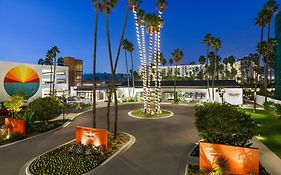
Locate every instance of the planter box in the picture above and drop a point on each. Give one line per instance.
(18, 126)
(92, 136)
(240, 160)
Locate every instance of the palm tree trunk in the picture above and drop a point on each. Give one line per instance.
(128, 79)
(256, 73)
(113, 75)
(149, 73)
(159, 76)
(133, 75)
(266, 64)
(51, 77)
(94, 71)
(175, 84)
(54, 76)
(144, 78)
(207, 73)
(108, 106)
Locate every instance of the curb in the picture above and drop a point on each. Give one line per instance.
(25, 168)
(32, 137)
(188, 157)
(150, 118)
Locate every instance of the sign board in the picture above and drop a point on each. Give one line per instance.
(17, 126)
(240, 160)
(92, 136)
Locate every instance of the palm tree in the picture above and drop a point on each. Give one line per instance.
(126, 48)
(54, 51)
(49, 61)
(98, 7)
(217, 45)
(272, 43)
(108, 6)
(177, 57)
(171, 62)
(208, 40)
(163, 60)
(131, 49)
(271, 8)
(202, 61)
(60, 61)
(261, 22)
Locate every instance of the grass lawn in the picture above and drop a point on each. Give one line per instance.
(269, 129)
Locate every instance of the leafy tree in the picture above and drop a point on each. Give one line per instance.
(60, 61)
(41, 61)
(14, 104)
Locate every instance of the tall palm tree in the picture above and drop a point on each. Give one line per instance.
(163, 60)
(217, 45)
(131, 49)
(177, 57)
(108, 6)
(98, 8)
(202, 61)
(271, 44)
(208, 40)
(49, 61)
(271, 8)
(126, 46)
(260, 22)
(55, 51)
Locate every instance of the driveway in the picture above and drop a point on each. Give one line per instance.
(161, 146)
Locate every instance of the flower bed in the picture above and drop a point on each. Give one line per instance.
(138, 113)
(76, 159)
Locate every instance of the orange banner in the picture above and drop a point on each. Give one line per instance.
(239, 159)
(17, 126)
(92, 136)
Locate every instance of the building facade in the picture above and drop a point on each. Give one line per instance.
(75, 71)
(277, 64)
(184, 71)
(30, 80)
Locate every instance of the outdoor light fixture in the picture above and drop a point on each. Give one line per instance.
(221, 92)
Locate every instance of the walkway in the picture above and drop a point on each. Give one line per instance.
(161, 145)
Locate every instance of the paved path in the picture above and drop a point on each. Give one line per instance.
(161, 145)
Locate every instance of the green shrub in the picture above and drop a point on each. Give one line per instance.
(269, 106)
(224, 124)
(29, 118)
(278, 108)
(46, 108)
(14, 103)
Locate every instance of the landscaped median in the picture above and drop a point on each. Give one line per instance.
(138, 113)
(73, 158)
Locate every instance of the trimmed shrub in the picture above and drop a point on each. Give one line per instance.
(269, 106)
(46, 108)
(224, 124)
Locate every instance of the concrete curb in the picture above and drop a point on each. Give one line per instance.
(150, 118)
(188, 157)
(25, 169)
(38, 135)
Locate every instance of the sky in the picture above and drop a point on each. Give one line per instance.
(28, 28)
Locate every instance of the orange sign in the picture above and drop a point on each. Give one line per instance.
(17, 126)
(92, 136)
(240, 160)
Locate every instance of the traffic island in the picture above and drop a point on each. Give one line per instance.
(138, 113)
(72, 158)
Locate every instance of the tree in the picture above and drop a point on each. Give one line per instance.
(208, 40)
(60, 61)
(271, 8)
(260, 22)
(163, 60)
(49, 61)
(171, 62)
(217, 45)
(126, 45)
(14, 104)
(54, 52)
(177, 56)
(202, 61)
(41, 61)
(131, 49)
(98, 8)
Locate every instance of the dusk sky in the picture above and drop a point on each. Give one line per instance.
(29, 28)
